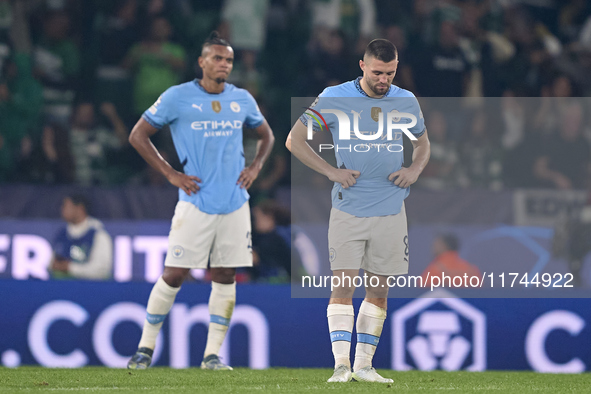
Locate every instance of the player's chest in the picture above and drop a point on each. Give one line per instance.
(352, 118)
(212, 119)
(206, 109)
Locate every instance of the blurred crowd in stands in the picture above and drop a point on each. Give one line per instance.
(76, 75)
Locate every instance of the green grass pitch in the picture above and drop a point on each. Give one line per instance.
(281, 380)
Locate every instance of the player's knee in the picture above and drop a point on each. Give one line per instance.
(223, 275)
(174, 277)
(342, 292)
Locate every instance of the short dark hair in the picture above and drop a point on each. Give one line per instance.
(214, 38)
(79, 199)
(451, 241)
(382, 50)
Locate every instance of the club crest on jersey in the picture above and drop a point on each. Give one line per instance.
(216, 106)
(375, 113)
(234, 106)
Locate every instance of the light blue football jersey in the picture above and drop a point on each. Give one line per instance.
(375, 159)
(206, 130)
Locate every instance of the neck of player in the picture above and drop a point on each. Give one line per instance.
(368, 91)
(211, 85)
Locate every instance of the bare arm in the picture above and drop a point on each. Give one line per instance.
(109, 110)
(297, 144)
(420, 157)
(543, 172)
(264, 146)
(140, 140)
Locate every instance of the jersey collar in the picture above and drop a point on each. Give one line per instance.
(360, 89)
(196, 81)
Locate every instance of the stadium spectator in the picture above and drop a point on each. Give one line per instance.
(565, 159)
(157, 63)
(514, 119)
(114, 34)
(355, 18)
(244, 23)
(441, 171)
(448, 261)
(531, 66)
(20, 106)
(518, 162)
(91, 143)
(547, 117)
(480, 155)
(83, 249)
(442, 70)
(57, 65)
(327, 59)
(572, 19)
(246, 74)
(49, 160)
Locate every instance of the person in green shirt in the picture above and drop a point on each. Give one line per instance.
(157, 64)
(56, 63)
(20, 107)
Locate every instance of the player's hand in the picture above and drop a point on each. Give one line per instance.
(186, 182)
(404, 177)
(345, 177)
(247, 176)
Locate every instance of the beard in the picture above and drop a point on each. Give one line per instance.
(377, 90)
(220, 80)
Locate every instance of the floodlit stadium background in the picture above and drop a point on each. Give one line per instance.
(76, 75)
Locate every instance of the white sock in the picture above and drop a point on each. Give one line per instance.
(221, 306)
(340, 325)
(370, 322)
(159, 304)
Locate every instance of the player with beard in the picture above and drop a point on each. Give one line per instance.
(212, 218)
(367, 227)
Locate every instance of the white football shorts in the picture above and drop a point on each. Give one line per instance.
(376, 244)
(197, 237)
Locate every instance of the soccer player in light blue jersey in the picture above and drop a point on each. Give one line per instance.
(212, 218)
(367, 228)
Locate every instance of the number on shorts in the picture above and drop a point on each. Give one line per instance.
(405, 240)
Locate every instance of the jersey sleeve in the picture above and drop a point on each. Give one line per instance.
(163, 111)
(312, 112)
(418, 129)
(254, 117)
